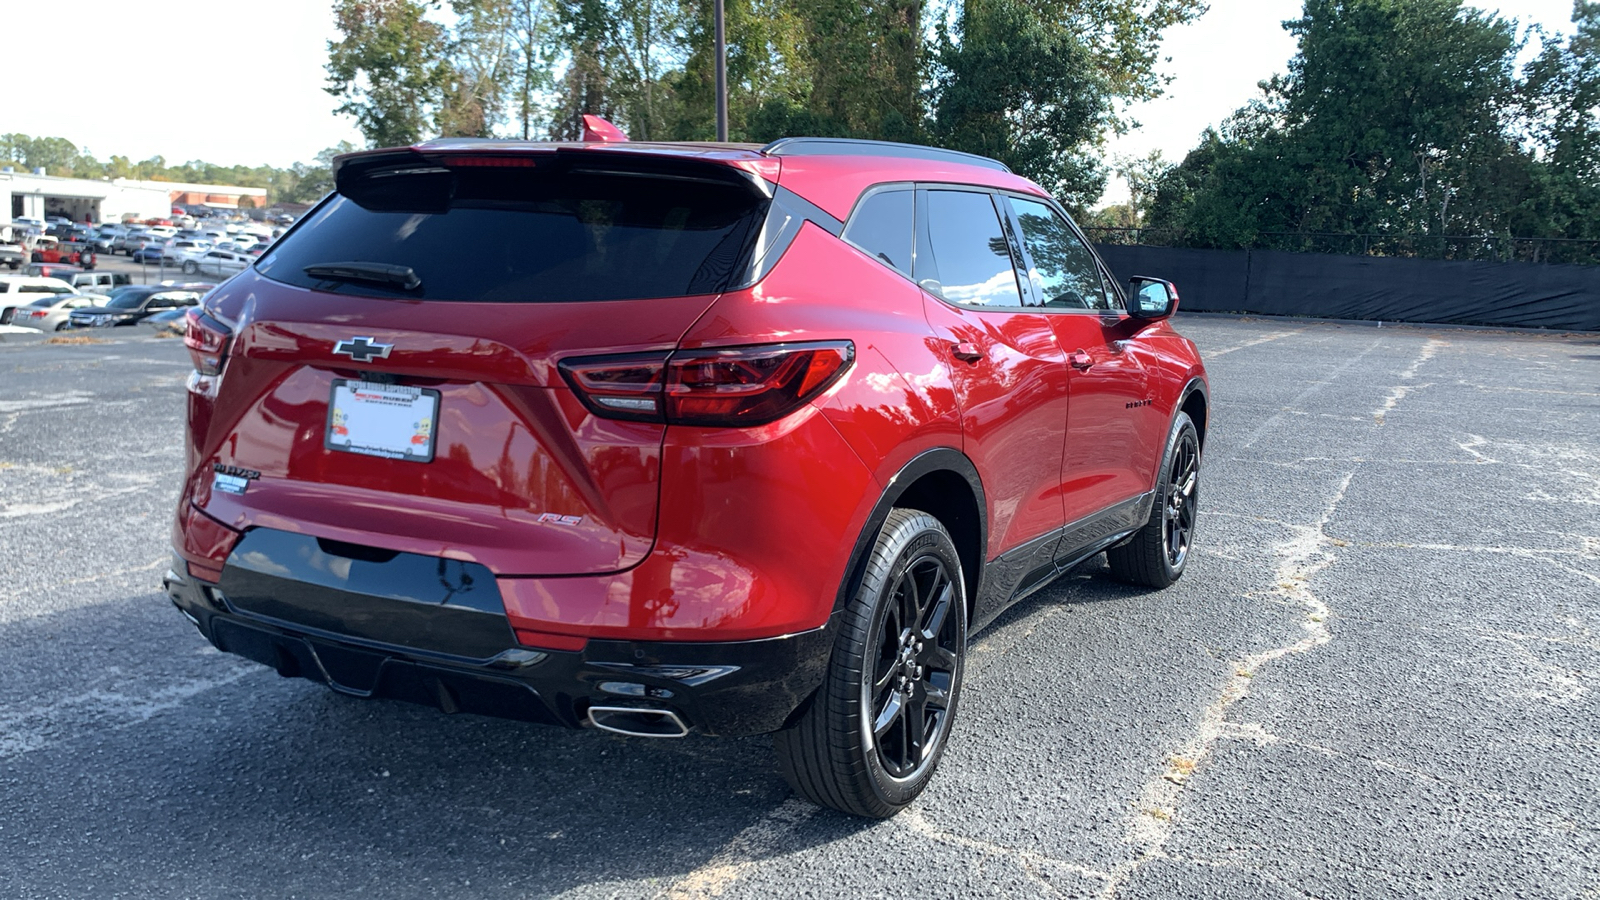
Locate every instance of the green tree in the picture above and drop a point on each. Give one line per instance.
(390, 69)
(1394, 117)
(1017, 89)
(1561, 111)
(620, 55)
(865, 67)
(766, 69)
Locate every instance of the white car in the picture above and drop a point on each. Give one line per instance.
(21, 290)
(184, 250)
(167, 232)
(50, 313)
(219, 263)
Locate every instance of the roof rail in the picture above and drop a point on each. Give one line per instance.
(818, 146)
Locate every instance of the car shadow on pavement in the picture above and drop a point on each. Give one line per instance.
(280, 786)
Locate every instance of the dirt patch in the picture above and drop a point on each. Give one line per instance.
(77, 339)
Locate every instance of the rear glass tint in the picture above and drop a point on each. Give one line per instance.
(518, 235)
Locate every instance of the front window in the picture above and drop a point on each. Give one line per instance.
(1064, 270)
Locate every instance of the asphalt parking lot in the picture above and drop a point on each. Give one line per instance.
(1378, 678)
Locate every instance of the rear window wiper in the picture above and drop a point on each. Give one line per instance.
(384, 274)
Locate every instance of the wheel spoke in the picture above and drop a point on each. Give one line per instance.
(916, 729)
(938, 697)
(937, 614)
(912, 610)
(891, 711)
(939, 659)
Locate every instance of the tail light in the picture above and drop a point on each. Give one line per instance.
(207, 340)
(733, 387)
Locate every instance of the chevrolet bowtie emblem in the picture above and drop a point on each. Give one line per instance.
(362, 349)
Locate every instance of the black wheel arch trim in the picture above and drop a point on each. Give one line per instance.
(1195, 385)
(937, 459)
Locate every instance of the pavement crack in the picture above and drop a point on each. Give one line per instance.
(743, 852)
(1406, 386)
(1301, 558)
(26, 730)
(1294, 405)
(1028, 861)
(1276, 335)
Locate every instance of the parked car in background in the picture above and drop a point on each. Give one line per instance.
(63, 271)
(167, 232)
(30, 224)
(21, 290)
(97, 282)
(219, 263)
(129, 305)
(168, 322)
(104, 240)
(50, 313)
(151, 253)
(181, 250)
(12, 256)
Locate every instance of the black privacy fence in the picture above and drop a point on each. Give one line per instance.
(1484, 248)
(1462, 291)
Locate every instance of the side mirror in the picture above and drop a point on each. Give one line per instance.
(1151, 298)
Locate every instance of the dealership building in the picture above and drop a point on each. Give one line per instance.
(36, 195)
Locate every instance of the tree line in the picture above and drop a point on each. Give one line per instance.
(1404, 121)
(1394, 117)
(299, 183)
(1037, 84)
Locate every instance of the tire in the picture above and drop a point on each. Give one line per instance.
(189, 267)
(1158, 553)
(853, 748)
(61, 326)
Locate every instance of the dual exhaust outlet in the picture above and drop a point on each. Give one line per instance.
(637, 721)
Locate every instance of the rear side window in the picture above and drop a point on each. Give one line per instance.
(546, 234)
(968, 251)
(883, 227)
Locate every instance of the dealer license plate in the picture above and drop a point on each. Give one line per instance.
(388, 420)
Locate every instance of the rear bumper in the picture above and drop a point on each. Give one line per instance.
(732, 688)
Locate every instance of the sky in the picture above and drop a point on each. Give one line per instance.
(242, 83)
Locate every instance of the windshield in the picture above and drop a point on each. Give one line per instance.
(128, 299)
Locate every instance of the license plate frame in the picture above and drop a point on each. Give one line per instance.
(381, 412)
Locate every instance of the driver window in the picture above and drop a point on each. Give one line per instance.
(1064, 270)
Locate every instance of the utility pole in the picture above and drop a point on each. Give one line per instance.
(722, 76)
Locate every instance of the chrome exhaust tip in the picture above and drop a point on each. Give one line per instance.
(638, 722)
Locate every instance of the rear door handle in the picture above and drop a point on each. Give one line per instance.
(966, 351)
(1080, 360)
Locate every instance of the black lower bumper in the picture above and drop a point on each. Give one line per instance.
(731, 688)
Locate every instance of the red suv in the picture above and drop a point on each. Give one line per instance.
(669, 437)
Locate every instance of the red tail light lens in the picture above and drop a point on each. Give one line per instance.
(750, 385)
(207, 340)
(734, 387)
(620, 387)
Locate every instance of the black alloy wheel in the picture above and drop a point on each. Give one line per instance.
(871, 737)
(1179, 505)
(1157, 554)
(907, 699)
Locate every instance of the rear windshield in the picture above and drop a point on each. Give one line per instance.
(528, 235)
